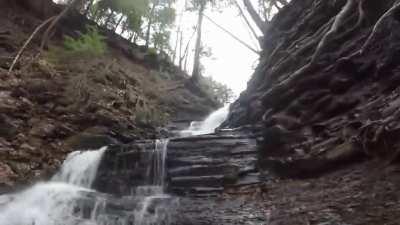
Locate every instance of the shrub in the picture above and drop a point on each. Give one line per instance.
(90, 44)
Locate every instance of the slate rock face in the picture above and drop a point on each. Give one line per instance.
(194, 165)
(199, 169)
(308, 104)
(210, 163)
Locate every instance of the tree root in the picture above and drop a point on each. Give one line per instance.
(333, 30)
(22, 49)
(377, 26)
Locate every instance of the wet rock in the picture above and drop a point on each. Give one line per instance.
(44, 128)
(7, 175)
(195, 181)
(210, 162)
(84, 141)
(8, 129)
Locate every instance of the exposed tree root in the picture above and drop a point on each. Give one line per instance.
(333, 30)
(377, 26)
(286, 61)
(22, 49)
(361, 14)
(322, 37)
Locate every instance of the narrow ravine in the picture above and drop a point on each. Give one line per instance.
(71, 198)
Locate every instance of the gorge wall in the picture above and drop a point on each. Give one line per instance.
(327, 85)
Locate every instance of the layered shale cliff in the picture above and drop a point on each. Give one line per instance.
(326, 90)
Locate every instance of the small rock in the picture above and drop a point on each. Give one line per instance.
(44, 128)
(7, 175)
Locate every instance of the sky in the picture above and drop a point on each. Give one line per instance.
(231, 62)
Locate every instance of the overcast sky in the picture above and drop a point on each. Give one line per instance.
(231, 63)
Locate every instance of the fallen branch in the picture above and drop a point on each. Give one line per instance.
(38, 28)
(46, 34)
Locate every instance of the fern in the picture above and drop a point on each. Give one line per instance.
(91, 43)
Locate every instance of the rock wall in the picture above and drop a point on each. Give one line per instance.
(327, 86)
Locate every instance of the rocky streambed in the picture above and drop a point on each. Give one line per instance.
(218, 181)
(200, 171)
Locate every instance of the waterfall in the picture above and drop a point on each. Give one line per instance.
(68, 199)
(153, 193)
(80, 168)
(160, 153)
(51, 203)
(208, 125)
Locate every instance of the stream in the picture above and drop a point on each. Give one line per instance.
(70, 198)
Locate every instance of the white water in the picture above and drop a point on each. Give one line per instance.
(208, 125)
(52, 203)
(80, 168)
(160, 155)
(68, 200)
(155, 191)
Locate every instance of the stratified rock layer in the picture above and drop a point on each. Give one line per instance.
(320, 108)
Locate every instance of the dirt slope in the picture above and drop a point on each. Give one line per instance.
(48, 109)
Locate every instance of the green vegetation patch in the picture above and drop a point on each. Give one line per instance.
(87, 45)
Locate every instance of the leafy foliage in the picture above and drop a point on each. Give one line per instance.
(220, 92)
(147, 20)
(90, 44)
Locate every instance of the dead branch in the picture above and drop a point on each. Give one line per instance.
(232, 35)
(377, 26)
(22, 49)
(246, 20)
(46, 34)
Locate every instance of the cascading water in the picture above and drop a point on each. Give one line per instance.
(154, 192)
(68, 200)
(208, 125)
(52, 203)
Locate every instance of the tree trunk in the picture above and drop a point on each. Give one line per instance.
(124, 28)
(180, 50)
(109, 19)
(88, 7)
(196, 64)
(153, 8)
(254, 15)
(135, 37)
(118, 23)
(176, 45)
(246, 20)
